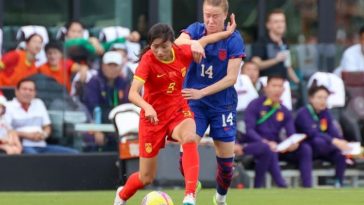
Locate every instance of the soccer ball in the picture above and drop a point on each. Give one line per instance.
(157, 198)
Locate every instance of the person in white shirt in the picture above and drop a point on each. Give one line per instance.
(28, 116)
(353, 57)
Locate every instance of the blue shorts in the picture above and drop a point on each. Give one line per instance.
(222, 124)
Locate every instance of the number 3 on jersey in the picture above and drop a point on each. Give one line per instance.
(206, 72)
(226, 120)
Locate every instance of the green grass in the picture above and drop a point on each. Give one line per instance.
(236, 197)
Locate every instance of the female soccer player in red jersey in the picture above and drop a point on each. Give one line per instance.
(165, 112)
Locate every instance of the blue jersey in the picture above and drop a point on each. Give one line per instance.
(213, 68)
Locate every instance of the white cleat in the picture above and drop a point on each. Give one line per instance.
(219, 199)
(118, 200)
(189, 200)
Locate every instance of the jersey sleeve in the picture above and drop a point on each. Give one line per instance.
(9, 61)
(193, 30)
(143, 69)
(186, 54)
(236, 46)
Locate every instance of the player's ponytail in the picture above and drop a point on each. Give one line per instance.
(159, 30)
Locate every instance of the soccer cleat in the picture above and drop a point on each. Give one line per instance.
(118, 200)
(216, 202)
(189, 200)
(198, 187)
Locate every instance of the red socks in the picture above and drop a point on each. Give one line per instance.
(190, 162)
(133, 184)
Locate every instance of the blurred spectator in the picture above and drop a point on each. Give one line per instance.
(77, 47)
(107, 89)
(56, 67)
(28, 116)
(126, 71)
(9, 141)
(353, 57)
(19, 64)
(271, 52)
(316, 122)
(265, 117)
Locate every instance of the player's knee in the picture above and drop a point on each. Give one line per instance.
(189, 138)
(146, 179)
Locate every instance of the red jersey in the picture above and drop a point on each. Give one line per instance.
(62, 73)
(164, 80)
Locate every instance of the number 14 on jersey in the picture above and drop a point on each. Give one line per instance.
(207, 72)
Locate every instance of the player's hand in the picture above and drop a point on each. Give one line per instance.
(272, 145)
(341, 144)
(231, 25)
(238, 150)
(281, 56)
(151, 115)
(291, 148)
(192, 94)
(198, 52)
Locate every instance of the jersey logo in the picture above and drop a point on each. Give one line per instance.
(280, 116)
(160, 75)
(183, 71)
(148, 147)
(222, 54)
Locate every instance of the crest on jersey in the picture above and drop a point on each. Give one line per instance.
(222, 54)
(183, 71)
(280, 116)
(148, 147)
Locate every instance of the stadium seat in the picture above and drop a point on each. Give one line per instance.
(113, 32)
(286, 96)
(334, 83)
(125, 118)
(25, 31)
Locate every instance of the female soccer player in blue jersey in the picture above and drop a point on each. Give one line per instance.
(209, 87)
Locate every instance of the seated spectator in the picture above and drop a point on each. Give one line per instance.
(316, 122)
(265, 117)
(9, 141)
(28, 116)
(106, 90)
(353, 57)
(126, 71)
(77, 47)
(56, 67)
(19, 64)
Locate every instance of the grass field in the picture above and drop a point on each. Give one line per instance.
(236, 197)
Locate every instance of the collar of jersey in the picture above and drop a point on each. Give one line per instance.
(269, 102)
(171, 61)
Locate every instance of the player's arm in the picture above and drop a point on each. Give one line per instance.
(229, 80)
(137, 99)
(215, 37)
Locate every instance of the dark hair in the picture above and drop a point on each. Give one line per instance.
(271, 77)
(218, 3)
(53, 45)
(69, 24)
(159, 30)
(361, 31)
(24, 81)
(274, 11)
(32, 36)
(314, 89)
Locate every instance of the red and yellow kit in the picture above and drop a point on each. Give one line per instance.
(62, 74)
(14, 67)
(163, 82)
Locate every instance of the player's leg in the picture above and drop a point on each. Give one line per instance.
(136, 181)
(201, 126)
(223, 131)
(185, 133)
